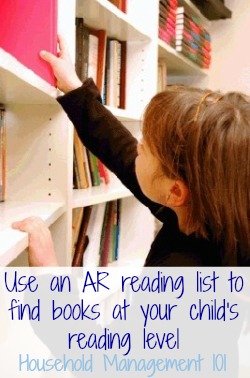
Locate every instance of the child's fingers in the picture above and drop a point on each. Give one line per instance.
(48, 57)
(62, 45)
(29, 224)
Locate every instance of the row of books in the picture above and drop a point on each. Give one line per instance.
(167, 21)
(95, 234)
(86, 167)
(104, 59)
(120, 4)
(88, 170)
(192, 39)
(2, 153)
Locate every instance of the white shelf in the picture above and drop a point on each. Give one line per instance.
(177, 63)
(18, 84)
(132, 260)
(101, 14)
(13, 242)
(99, 194)
(123, 114)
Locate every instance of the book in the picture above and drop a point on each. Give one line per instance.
(123, 73)
(113, 73)
(90, 53)
(101, 36)
(77, 215)
(83, 238)
(82, 49)
(94, 171)
(198, 51)
(106, 237)
(116, 3)
(120, 4)
(206, 48)
(80, 163)
(26, 28)
(162, 75)
(114, 245)
(103, 172)
(91, 255)
(93, 57)
(117, 228)
(123, 6)
(167, 37)
(2, 153)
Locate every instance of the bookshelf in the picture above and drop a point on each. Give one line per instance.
(40, 136)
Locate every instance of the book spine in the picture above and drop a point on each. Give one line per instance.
(103, 172)
(94, 171)
(123, 74)
(77, 215)
(2, 154)
(83, 238)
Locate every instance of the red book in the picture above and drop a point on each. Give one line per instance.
(26, 28)
(124, 6)
(103, 172)
(2, 154)
(122, 104)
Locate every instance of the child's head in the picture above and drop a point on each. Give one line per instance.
(203, 139)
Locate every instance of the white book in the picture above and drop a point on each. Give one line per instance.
(113, 99)
(93, 57)
(91, 255)
(180, 10)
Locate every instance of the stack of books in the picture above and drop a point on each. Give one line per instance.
(167, 21)
(192, 39)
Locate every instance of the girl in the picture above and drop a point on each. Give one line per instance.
(191, 169)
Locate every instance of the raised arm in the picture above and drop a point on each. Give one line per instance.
(99, 130)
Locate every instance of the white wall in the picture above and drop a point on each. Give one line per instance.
(230, 68)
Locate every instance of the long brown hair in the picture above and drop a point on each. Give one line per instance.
(203, 138)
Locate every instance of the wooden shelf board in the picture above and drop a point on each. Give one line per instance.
(13, 242)
(213, 9)
(19, 84)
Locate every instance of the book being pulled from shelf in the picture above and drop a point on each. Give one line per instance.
(27, 27)
(167, 18)
(192, 39)
(95, 234)
(2, 153)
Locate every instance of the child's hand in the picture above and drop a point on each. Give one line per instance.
(41, 247)
(63, 68)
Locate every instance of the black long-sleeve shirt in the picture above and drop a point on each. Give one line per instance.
(114, 145)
